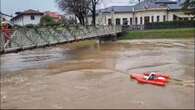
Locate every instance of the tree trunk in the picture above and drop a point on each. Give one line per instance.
(81, 19)
(86, 20)
(94, 15)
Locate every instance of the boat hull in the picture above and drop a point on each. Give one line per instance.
(160, 80)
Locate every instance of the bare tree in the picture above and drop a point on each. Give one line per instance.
(92, 8)
(80, 8)
(189, 6)
(77, 7)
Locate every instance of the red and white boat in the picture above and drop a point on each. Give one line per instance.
(145, 78)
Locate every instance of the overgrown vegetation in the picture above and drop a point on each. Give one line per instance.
(161, 33)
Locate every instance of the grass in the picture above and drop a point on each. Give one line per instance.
(161, 33)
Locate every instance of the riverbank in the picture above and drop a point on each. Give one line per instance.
(161, 34)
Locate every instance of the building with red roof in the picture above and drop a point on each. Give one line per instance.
(56, 16)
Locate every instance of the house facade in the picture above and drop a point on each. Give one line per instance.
(146, 11)
(27, 17)
(56, 16)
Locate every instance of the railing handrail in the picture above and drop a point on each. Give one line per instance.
(46, 35)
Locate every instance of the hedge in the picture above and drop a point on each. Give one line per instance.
(170, 24)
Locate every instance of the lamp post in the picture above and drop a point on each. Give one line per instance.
(112, 16)
(167, 13)
(133, 19)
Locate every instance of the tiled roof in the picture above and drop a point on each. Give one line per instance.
(166, 1)
(30, 11)
(118, 9)
(176, 6)
(146, 4)
(52, 14)
(27, 12)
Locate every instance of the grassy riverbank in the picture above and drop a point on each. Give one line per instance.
(161, 33)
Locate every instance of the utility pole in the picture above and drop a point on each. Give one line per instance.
(112, 16)
(133, 19)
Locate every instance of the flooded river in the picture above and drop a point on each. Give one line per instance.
(89, 75)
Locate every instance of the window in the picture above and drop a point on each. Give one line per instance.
(125, 22)
(136, 20)
(109, 22)
(32, 17)
(118, 21)
(158, 18)
(140, 20)
(164, 18)
(146, 19)
(174, 17)
(131, 20)
(152, 19)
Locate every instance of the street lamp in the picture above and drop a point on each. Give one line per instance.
(133, 19)
(112, 16)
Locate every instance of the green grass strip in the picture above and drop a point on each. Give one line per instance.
(161, 33)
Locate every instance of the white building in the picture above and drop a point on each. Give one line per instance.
(146, 11)
(69, 16)
(27, 17)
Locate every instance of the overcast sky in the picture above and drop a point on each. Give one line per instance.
(11, 6)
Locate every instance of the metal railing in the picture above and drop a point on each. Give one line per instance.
(24, 38)
(133, 28)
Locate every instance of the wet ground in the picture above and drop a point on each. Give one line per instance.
(97, 76)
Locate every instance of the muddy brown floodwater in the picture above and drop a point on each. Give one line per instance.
(97, 76)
